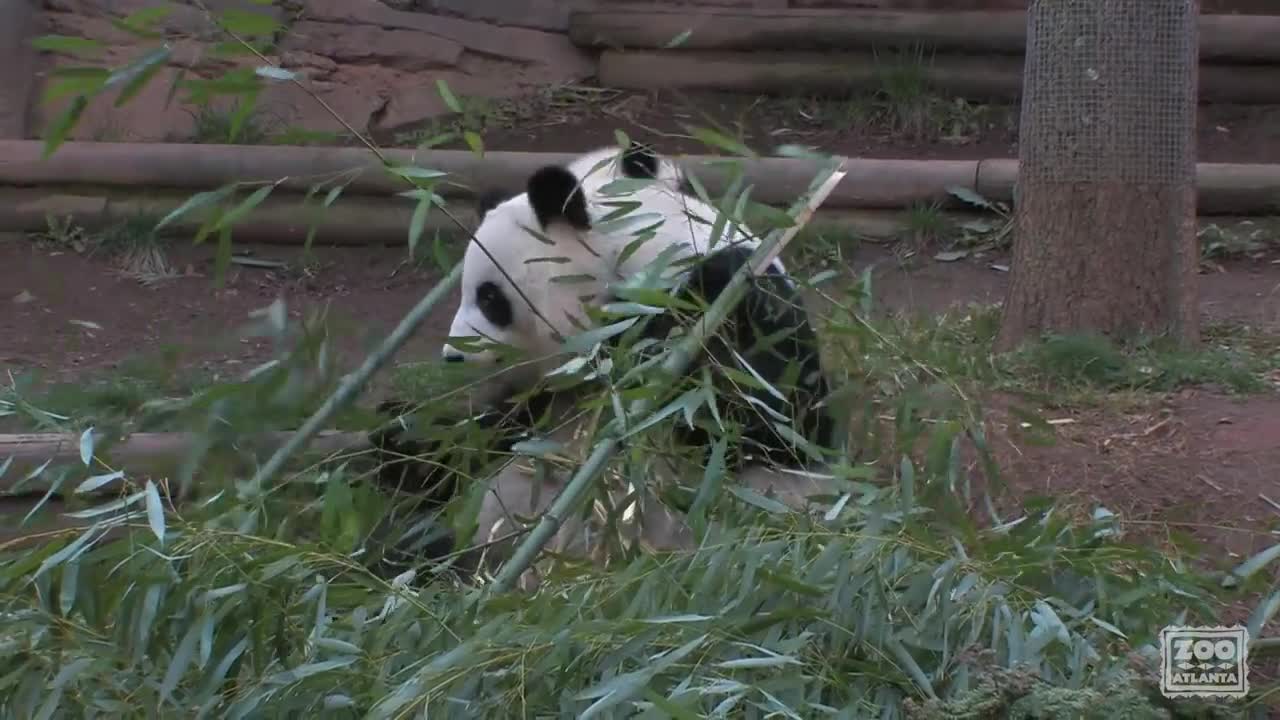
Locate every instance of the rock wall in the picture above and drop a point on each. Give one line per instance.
(376, 66)
(373, 62)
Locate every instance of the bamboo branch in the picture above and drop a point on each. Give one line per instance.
(353, 383)
(675, 364)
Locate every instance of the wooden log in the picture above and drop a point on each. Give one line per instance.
(1242, 189)
(747, 30)
(142, 454)
(366, 222)
(869, 183)
(1226, 38)
(282, 219)
(987, 78)
(1225, 189)
(205, 167)
(979, 78)
(359, 221)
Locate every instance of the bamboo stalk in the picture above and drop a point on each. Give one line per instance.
(353, 383)
(675, 364)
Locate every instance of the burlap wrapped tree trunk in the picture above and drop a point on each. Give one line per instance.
(1105, 203)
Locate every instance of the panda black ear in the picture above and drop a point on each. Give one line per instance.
(555, 194)
(491, 199)
(640, 162)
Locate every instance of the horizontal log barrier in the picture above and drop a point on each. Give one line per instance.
(887, 184)
(869, 183)
(984, 78)
(285, 218)
(361, 221)
(147, 454)
(371, 221)
(1225, 38)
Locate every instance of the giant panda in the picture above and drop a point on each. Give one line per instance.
(566, 224)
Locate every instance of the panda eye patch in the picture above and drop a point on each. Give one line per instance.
(493, 304)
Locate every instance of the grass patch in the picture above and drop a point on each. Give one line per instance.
(112, 398)
(477, 115)
(236, 124)
(1252, 238)
(926, 225)
(131, 245)
(250, 125)
(1066, 370)
(904, 104)
(136, 248)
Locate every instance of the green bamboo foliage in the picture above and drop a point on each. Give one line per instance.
(255, 599)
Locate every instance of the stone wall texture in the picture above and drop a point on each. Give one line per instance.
(375, 63)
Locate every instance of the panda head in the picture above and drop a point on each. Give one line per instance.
(538, 261)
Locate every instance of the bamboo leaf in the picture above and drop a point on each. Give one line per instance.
(64, 676)
(222, 260)
(199, 200)
(72, 550)
(137, 74)
(183, 655)
(249, 24)
(678, 40)
(155, 510)
(63, 125)
(1249, 567)
(272, 72)
(86, 446)
(450, 100)
(68, 45)
(417, 223)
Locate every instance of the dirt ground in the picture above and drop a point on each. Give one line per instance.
(1202, 459)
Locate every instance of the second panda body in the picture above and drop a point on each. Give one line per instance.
(567, 223)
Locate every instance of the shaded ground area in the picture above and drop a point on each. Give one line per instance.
(1202, 459)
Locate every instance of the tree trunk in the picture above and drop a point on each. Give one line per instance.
(1105, 236)
(1111, 258)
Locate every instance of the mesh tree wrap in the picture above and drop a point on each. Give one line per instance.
(1109, 92)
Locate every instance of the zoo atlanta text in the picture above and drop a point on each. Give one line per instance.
(1204, 661)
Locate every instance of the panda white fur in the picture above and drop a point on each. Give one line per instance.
(554, 229)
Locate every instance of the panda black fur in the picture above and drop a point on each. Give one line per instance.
(770, 329)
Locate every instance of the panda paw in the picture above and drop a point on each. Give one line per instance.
(403, 463)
